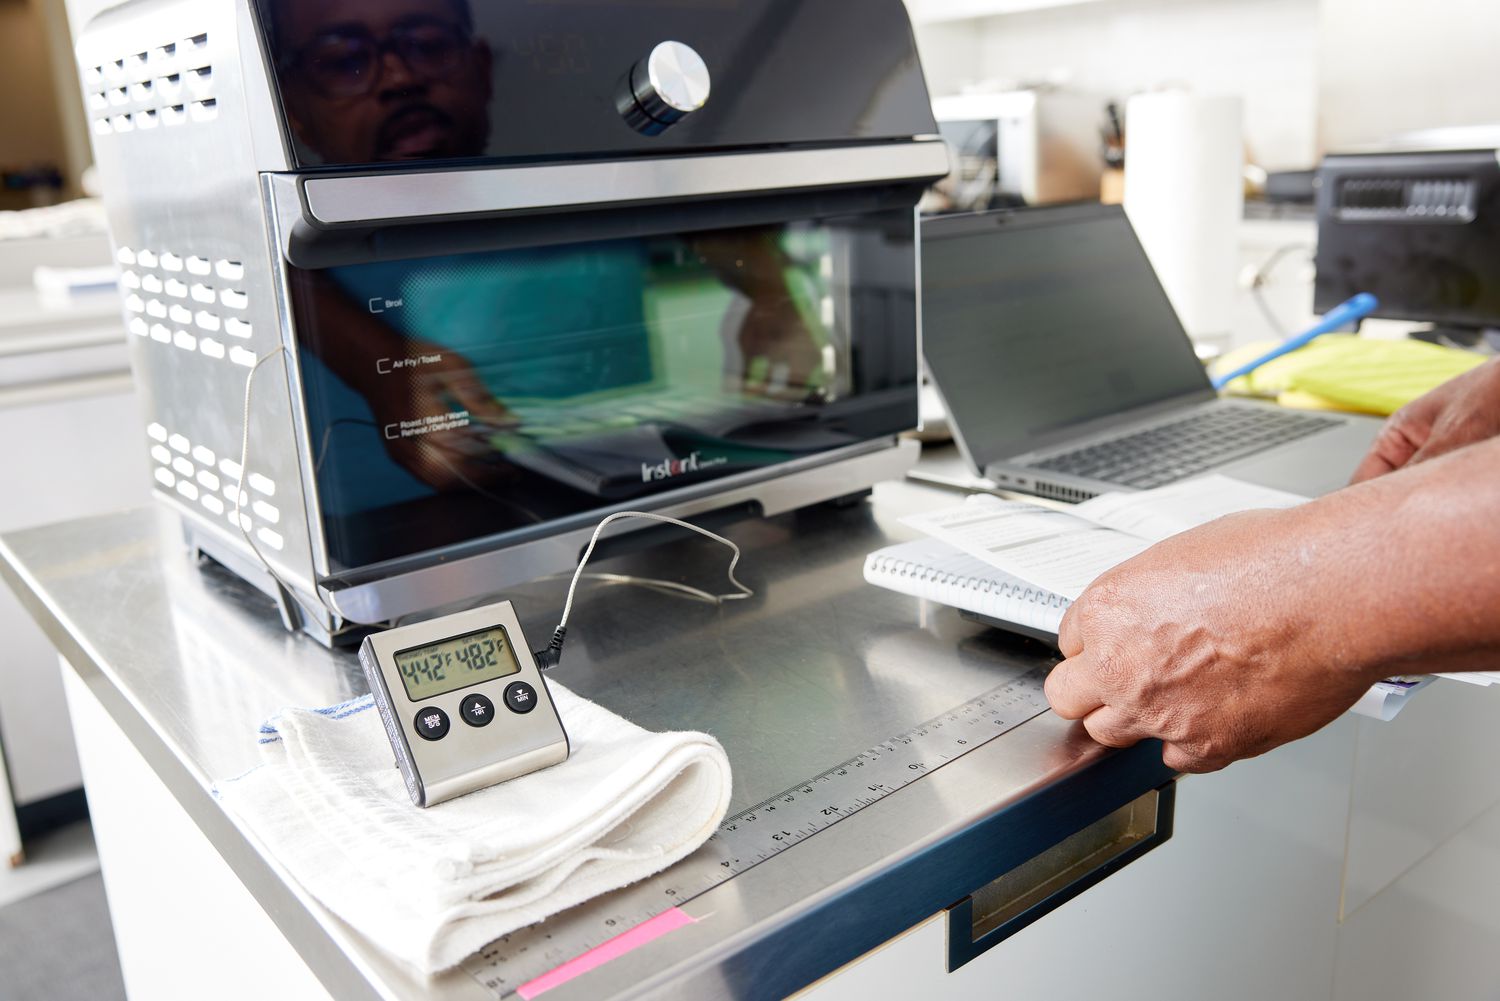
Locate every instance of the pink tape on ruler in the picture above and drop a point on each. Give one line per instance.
(625, 942)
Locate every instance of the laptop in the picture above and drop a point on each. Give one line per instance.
(1066, 373)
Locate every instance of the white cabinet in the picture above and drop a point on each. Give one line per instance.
(71, 445)
(173, 900)
(72, 456)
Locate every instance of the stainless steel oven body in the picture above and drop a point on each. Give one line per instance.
(480, 273)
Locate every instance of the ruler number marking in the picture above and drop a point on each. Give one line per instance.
(739, 846)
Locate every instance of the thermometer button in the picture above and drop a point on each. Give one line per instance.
(477, 710)
(432, 724)
(520, 698)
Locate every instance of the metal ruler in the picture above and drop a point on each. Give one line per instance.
(752, 836)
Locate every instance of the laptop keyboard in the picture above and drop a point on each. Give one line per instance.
(1170, 452)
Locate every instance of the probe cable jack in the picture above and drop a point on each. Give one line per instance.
(551, 656)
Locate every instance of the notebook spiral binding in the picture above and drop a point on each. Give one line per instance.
(1000, 589)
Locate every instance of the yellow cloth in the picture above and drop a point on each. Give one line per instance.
(1347, 372)
(1296, 399)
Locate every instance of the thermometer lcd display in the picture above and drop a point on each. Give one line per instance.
(440, 668)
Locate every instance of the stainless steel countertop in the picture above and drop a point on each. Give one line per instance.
(816, 668)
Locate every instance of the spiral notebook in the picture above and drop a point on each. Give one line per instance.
(937, 571)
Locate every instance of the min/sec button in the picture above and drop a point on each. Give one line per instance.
(432, 724)
(520, 698)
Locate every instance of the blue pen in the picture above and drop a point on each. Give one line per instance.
(1353, 311)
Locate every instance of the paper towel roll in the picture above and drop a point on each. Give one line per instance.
(1184, 193)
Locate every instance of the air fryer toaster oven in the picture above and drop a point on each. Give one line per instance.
(483, 273)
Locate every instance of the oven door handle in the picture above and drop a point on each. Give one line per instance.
(427, 196)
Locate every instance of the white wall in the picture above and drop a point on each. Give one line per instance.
(80, 12)
(1316, 75)
(951, 53)
(1263, 50)
(1393, 66)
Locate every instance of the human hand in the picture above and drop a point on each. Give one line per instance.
(774, 333)
(1460, 412)
(1214, 642)
(773, 352)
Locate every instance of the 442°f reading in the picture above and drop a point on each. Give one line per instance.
(456, 663)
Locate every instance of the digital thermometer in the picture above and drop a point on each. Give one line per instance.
(463, 703)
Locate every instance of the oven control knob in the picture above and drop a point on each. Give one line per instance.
(664, 88)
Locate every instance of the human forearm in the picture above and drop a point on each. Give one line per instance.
(1412, 566)
(1260, 628)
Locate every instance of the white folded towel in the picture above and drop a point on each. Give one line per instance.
(434, 886)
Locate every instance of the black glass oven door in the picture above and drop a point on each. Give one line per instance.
(489, 395)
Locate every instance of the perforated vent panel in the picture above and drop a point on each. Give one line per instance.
(200, 477)
(187, 302)
(169, 85)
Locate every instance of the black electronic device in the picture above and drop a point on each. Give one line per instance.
(1418, 230)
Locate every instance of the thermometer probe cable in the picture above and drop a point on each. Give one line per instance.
(552, 655)
(549, 657)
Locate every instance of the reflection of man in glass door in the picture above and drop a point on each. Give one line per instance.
(366, 81)
(385, 80)
(369, 81)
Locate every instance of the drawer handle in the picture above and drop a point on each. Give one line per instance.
(1036, 887)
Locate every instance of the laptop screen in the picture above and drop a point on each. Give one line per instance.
(1041, 320)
